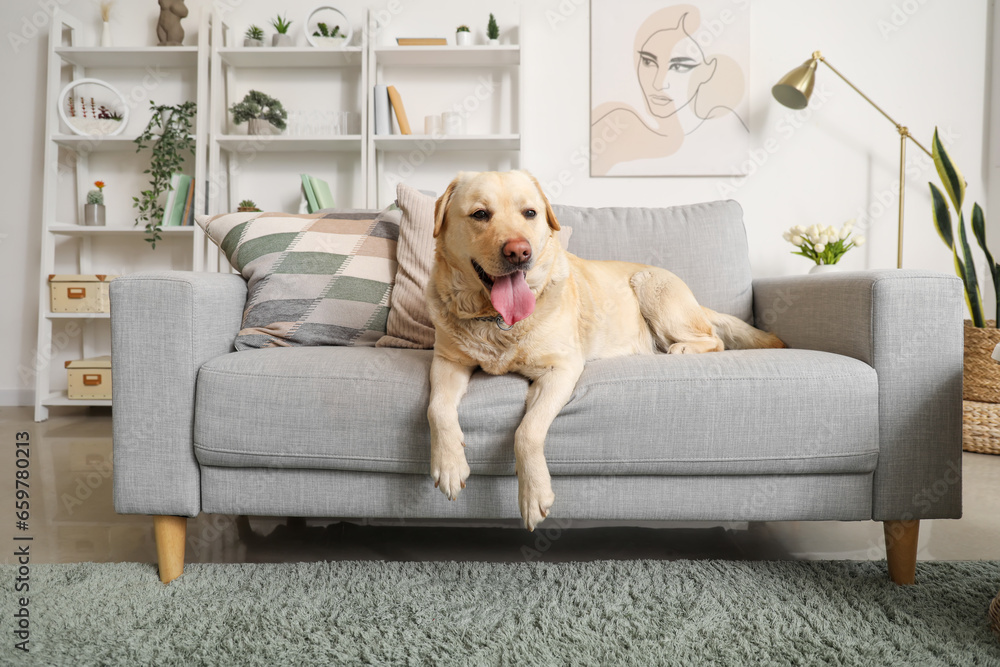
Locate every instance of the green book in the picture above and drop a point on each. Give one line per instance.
(307, 190)
(321, 190)
(175, 181)
(176, 212)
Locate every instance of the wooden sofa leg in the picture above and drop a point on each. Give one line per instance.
(170, 531)
(901, 549)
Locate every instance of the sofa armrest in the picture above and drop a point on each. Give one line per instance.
(164, 326)
(907, 325)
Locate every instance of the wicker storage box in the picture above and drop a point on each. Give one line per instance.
(981, 390)
(79, 294)
(89, 378)
(981, 427)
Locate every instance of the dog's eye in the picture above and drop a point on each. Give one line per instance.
(530, 213)
(481, 214)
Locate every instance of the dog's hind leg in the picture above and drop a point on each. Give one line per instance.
(678, 324)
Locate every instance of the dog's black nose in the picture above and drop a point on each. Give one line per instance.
(517, 251)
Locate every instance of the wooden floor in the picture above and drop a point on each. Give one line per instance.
(72, 520)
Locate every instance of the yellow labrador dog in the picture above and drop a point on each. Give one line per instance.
(505, 297)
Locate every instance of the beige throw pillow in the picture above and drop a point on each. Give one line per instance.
(409, 323)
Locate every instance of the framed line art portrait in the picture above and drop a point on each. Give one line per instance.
(668, 87)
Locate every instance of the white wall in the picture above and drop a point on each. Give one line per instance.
(925, 62)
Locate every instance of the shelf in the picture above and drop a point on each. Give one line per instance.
(78, 316)
(290, 56)
(449, 56)
(86, 230)
(276, 143)
(485, 142)
(121, 57)
(95, 144)
(60, 398)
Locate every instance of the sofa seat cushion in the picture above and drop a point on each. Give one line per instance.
(364, 409)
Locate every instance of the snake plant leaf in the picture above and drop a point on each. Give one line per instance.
(942, 217)
(952, 178)
(979, 230)
(973, 298)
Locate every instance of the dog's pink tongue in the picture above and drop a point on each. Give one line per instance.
(512, 297)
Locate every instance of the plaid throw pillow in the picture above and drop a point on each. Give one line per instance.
(319, 279)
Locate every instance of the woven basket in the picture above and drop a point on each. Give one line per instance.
(981, 374)
(981, 427)
(981, 390)
(995, 615)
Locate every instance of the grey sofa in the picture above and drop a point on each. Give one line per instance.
(860, 419)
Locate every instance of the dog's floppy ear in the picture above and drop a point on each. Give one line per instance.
(550, 216)
(441, 206)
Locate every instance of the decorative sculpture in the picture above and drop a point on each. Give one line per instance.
(168, 28)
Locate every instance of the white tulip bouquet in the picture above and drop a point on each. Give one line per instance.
(823, 245)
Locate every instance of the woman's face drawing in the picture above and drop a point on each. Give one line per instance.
(668, 74)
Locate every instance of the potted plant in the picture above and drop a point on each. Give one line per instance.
(259, 110)
(463, 36)
(93, 210)
(170, 132)
(981, 375)
(281, 37)
(493, 31)
(327, 37)
(254, 36)
(824, 246)
(247, 206)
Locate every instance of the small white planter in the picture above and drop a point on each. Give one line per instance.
(328, 42)
(259, 126)
(494, 42)
(279, 39)
(332, 17)
(463, 38)
(824, 268)
(252, 42)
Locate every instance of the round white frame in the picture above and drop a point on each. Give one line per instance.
(347, 22)
(79, 82)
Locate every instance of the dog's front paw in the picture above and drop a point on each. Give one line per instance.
(449, 469)
(535, 498)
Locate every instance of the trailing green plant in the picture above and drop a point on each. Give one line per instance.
(170, 135)
(281, 24)
(462, 28)
(254, 32)
(324, 31)
(259, 105)
(492, 29)
(965, 267)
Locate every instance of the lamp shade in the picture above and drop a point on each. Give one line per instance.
(795, 88)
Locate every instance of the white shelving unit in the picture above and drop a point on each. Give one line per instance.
(68, 246)
(230, 155)
(501, 63)
(221, 70)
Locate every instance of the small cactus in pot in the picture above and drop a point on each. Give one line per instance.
(93, 211)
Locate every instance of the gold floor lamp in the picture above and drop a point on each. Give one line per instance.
(794, 90)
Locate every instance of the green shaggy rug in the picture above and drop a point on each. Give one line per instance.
(594, 613)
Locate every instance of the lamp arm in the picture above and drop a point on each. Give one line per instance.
(902, 129)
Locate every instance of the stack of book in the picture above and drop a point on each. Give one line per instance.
(179, 209)
(386, 97)
(317, 193)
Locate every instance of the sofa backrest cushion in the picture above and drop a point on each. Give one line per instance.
(704, 244)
